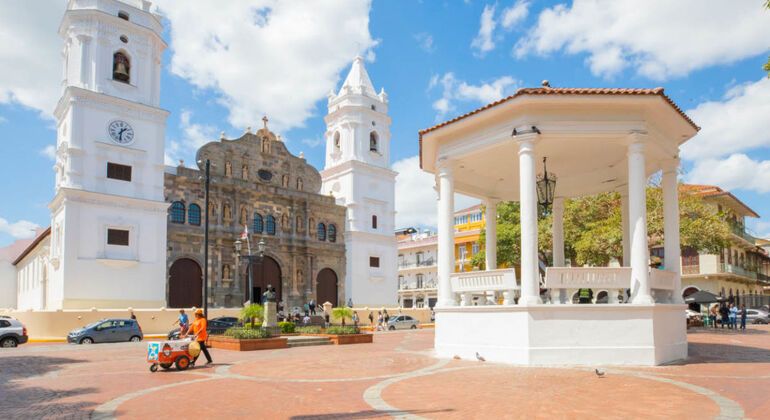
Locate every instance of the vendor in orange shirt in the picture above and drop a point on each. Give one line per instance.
(198, 330)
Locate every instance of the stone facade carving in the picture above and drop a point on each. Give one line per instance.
(277, 184)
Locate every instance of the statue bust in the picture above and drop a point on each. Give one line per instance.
(269, 295)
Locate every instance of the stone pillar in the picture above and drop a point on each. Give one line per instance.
(446, 234)
(557, 230)
(491, 226)
(637, 211)
(530, 284)
(271, 315)
(85, 61)
(671, 247)
(625, 227)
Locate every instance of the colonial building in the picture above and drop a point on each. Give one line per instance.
(257, 184)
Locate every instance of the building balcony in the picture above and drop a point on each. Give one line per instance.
(428, 285)
(740, 231)
(404, 265)
(711, 267)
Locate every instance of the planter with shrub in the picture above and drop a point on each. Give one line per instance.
(247, 339)
(287, 327)
(338, 334)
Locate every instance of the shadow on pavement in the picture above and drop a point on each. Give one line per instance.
(20, 401)
(366, 414)
(723, 353)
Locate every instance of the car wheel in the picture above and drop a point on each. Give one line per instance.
(87, 340)
(182, 363)
(9, 342)
(414, 327)
(153, 368)
(392, 328)
(135, 339)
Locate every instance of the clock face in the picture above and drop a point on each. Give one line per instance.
(121, 132)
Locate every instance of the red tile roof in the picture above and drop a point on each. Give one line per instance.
(714, 191)
(563, 91)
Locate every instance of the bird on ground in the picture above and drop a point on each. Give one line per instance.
(479, 358)
(456, 357)
(599, 373)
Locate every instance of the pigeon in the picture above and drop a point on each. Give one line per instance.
(479, 358)
(599, 373)
(456, 357)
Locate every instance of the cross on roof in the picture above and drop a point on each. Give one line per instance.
(264, 120)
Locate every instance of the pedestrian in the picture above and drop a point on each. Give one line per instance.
(432, 315)
(183, 322)
(326, 320)
(306, 320)
(743, 317)
(355, 319)
(386, 316)
(198, 329)
(734, 316)
(713, 314)
(379, 320)
(725, 315)
(371, 318)
(131, 311)
(306, 307)
(312, 306)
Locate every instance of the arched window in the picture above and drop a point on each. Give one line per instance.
(299, 184)
(123, 15)
(257, 225)
(332, 233)
(337, 139)
(177, 212)
(321, 232)
(194, 215)
(373, 140)
(121, 67)
(374, 221)
(270, 225)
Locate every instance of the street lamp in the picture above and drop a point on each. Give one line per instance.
(546, 185)
(207, 181)
(256, 258)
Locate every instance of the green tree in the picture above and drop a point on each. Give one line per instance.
(342, 313)
(253, 313)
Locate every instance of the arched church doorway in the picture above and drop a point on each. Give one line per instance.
(326, 287)
(267, 272)
(185, 284)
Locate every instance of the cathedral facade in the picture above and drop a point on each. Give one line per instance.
(259, 191)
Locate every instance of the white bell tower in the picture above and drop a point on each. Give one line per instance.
(108, 217)
(357, 173)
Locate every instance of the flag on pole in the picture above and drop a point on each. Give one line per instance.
(245, 234)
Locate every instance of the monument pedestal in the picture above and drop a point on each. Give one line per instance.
(271, 315)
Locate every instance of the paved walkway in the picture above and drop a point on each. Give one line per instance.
(727, 376)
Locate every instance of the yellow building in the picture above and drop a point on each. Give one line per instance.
(469, 223)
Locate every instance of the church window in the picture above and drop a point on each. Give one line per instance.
(332, 233)
(121, 67)
(118, 171)
(299, 184)
(257, 225)
(270, 225)
(124, 39)
(265, 175)
(321, 232)
(194, 215)
(337, 139)
(374, 108)
(123, 15)
(374, 221)
(117, 237)
(265, 145)
(228, 169)
(285, 181)
(373, 139)
(177, 212)
(245, 171)
(374, 262)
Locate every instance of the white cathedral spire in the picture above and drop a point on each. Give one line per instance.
(358, 80)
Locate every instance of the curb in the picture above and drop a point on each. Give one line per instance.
(64, 339)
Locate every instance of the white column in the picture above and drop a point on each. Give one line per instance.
(625, 227)
(671, 246)
(491, 231)
(446, 234)
(530, 284)
(637, 210)
(557, 232)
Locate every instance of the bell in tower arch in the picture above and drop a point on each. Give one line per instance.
(121, 67)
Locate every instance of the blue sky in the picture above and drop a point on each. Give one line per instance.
(434, 59)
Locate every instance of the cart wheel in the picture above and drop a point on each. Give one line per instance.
(165, 366)
(153, 368)
(182, 362)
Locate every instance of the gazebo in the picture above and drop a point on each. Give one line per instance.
(595, 140)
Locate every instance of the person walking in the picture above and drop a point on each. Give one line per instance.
(198, 330)
(355, 319)
(733, 316)
(379, 320)
(312, 306)
(183, 322)
(725, 316)
(371, 318)
(743, 317)
(713, 315)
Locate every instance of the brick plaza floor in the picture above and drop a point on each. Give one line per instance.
(726, 376)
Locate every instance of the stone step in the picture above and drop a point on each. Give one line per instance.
(302, 341)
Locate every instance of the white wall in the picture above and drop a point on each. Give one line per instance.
(7, 285)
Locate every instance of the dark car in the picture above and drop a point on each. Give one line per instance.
(215, 326)
(107, 331)
(12, 332)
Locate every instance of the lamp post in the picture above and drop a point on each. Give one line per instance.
(207, 181)
(256, 258)
(546, 185)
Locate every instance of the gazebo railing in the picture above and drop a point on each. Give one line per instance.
(471, 283)
(615, 280)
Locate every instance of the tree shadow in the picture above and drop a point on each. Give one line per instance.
(366, 414)
(702, 353)
(18, 400)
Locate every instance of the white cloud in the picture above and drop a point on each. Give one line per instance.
(313, 143)
(266, 56)
(194, 136)
(737, 123)
(3, 119)
(49, 152)
(483, 42)
(30, 53)
(454, 90)
(425, 42)
(659, 38)
(416, 198)
(22, 229)
(515, 14)
(737, 171)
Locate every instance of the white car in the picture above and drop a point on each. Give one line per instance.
(403, 322)
(12, 332)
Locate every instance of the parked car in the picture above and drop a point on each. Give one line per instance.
(215, 326)
(107, 331)
(757, 316)
(12, 332)
(403, 322)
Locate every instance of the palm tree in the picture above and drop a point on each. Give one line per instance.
(252, 313)
(342, 313)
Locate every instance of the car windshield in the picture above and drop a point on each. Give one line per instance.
(94, 324)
